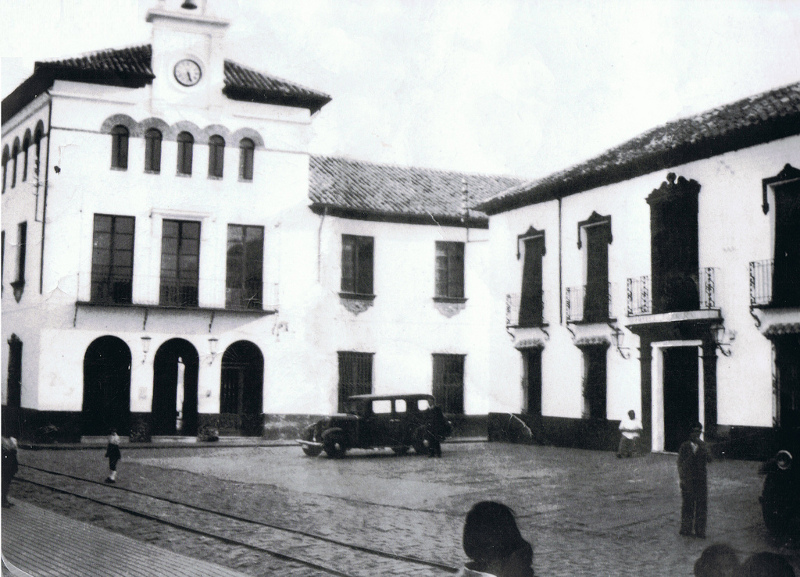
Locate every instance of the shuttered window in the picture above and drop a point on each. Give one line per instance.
(357, 257)
(450, 269)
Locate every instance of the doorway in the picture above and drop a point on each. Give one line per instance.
(241, 389)
(681, 394)
(175, 370)
(532, 379)
(106, 387)
(787, 362)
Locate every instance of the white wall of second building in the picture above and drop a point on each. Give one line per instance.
(733, 231)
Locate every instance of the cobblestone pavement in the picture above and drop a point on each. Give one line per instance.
(586, 512)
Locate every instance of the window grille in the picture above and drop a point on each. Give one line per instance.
(448, 382)
(355, 375)
(180, 256)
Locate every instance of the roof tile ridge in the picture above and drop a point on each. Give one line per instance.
(274, 77)
(92, 53)
(424, 169)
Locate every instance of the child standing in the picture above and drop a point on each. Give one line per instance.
(113, 454)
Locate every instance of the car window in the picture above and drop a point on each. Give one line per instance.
(382, 407)
(423, 404)
(400, 406)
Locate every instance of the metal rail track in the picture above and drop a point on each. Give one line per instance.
(292, 545)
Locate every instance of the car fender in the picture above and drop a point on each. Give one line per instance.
(328, 432)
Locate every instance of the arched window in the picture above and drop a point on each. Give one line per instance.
(5, 167)
(216, 156)
(119, 147)
(152, 150)
(185, 143)
(26, 143)
(37, 139)
(15, 155)
(246, 152)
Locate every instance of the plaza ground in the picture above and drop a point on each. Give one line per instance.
(586, 512)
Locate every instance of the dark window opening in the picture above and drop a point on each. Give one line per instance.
(786, 271)
(674, 246)
(355, 376)
(246, 157)
(185, 145)
(450, 269)
(112, 259)
(15, 155)
(357, 264)
(531, 305)
(244, 276)
(594, 382)
(180, 259)
(448, 383)
(596, 303)
(152, 150)
(216, 156)
(5, 167)
(26, 143)
(14, 381)
(119, 147)
(22, 244)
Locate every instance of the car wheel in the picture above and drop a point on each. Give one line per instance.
(334, 446)
(402, 450)
(312, 450)
(422, 442)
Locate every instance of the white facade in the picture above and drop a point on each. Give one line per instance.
(303, 323)
(733, 231)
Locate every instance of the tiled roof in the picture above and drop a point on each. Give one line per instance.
(372, 190)
(132, 67)
(747, 122)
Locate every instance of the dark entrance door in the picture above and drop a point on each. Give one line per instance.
(106, 387)
(14, 382)
(169, 417)
(787, 359)
(532, 365)
(681, 395)
(241, 388)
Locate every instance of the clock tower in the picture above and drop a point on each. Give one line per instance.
(188, 54)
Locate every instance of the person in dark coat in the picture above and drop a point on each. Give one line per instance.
(438, 430)
(10, 466)
(114, 456)
(692, 458)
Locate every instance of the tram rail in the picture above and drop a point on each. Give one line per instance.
(319, 552)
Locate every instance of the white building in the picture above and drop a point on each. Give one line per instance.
(177, 262)
(662, 276)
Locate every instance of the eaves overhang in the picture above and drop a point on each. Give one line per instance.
(397, 217)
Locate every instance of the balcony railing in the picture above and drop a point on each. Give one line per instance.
(596, 308)
(677, 293)
(527, 313)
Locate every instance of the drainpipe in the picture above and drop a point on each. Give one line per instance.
(319, 243)
(560, 279)
(44, 200)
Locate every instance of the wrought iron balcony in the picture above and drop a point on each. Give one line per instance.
(525, 312)
(761, 283)
(588, 305)
(673, 294)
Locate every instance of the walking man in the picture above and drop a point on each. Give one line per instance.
(692, 458)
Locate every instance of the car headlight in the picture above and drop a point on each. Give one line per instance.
(784, 460)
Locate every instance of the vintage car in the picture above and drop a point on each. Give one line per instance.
(376, 421)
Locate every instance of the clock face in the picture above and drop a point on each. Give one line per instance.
(187, 72)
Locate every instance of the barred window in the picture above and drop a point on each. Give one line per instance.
(180, 258)
(246, 157)
(119, 147)
(243, 280)
(152, 150)
(112, 259)
(448, 382)
(216, 156)
(355, 376)
(450, 269)
(357, 255)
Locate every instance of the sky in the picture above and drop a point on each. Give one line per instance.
(516, 87)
